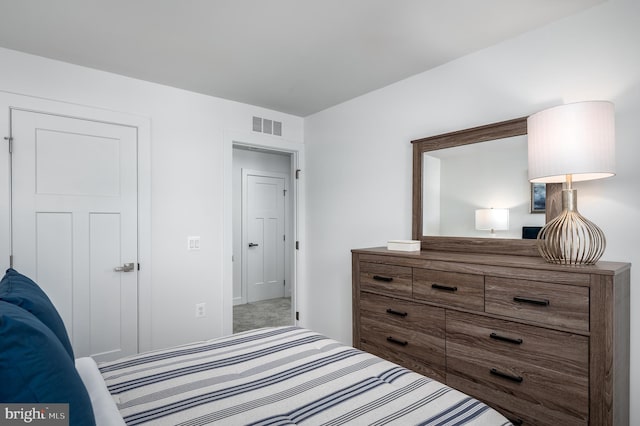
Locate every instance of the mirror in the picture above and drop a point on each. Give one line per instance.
(458, 181)
(445, 197)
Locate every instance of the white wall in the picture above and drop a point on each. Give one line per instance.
(359, 155)
(187, 161)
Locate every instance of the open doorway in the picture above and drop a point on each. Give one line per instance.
(263, 234)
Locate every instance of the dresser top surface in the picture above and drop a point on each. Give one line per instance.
(604, 267)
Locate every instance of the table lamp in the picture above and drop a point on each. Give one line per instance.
(492, 220)
(571, 143)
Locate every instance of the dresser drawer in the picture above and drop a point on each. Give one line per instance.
(552, 304)
(406, 344)
(405, 315)
(565, 353)
(387, 279)
(541, 371)
(449, 288)
(521, 411)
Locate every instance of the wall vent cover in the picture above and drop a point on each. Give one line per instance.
(264, 125)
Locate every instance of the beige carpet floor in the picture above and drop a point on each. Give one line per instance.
(265, 313)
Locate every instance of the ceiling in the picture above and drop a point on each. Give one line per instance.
(293, 56)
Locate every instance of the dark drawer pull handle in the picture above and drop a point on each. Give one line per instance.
(381, 278)
(444, 287)
(495, 372)
(506, 339)
(397, 342)
(398, 313)
(538, 302)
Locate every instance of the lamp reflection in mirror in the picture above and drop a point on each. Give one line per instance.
(492, 220)
(571, 143)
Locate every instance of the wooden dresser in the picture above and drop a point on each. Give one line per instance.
(542, 343)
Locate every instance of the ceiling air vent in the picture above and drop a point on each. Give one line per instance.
(264, 125)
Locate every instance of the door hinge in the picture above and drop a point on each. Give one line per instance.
(297, 316)
(10, 261)
(138, 266)
(284, 192)
(297, 245)
(284, 283)
(10, 140)
(284, 238)
(298, 173)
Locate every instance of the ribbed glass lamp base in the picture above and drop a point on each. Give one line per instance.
(570, 238)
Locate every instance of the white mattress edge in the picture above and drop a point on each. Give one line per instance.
(104, 407)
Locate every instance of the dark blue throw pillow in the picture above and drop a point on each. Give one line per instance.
(35, 368)
(21, 291)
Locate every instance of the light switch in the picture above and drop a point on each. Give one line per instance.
(193, 243)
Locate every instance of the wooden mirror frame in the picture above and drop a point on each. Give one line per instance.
(503, 129)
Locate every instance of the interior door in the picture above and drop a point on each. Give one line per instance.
(74, 227)
(265, 237)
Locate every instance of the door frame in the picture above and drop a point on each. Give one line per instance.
(245, 229)
(275, 144)
(15, 101)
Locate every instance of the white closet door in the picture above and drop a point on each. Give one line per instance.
(265, 217)
(74, 189)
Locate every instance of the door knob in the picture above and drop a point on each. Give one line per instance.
(253, 245)
(127, 267)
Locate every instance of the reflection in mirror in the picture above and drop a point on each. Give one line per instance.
(459, 180)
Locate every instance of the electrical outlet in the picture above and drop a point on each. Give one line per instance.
(201, 310)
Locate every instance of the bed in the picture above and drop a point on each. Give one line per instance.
(269, 376)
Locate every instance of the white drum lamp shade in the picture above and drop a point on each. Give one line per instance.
(492, 220)
(574, 139)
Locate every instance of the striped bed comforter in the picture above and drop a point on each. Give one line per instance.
(281, 376)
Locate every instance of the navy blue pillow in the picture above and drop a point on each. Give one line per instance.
(35, 368)
(21, 291)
